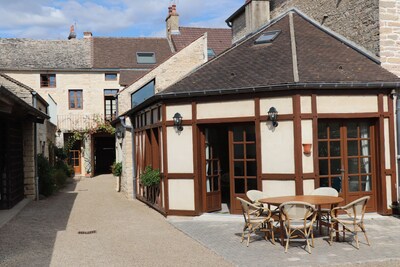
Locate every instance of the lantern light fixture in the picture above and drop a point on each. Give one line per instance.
(178, 121)
(273, 116)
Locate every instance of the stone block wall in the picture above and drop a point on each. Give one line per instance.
(357, 20)
(124, 151)
(389, 13)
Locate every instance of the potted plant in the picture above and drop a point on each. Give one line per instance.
(116, 169)
(150, 179)
(395, 208)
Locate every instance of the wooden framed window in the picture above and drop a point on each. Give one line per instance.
(48, 80)
(75, 99)
(110, 76)
(110, 103)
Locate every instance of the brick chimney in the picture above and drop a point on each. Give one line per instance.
(87, 35)
(72, 34)
(249, 18)
(172, 21)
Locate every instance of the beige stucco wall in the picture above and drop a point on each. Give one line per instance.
(227, 109)
(277, 188)
(181, 194)
(184, 110)
(388, 191)
(283, 105)
(387, 144)
(308, 186)
(305, 104)
(277, 147)
(347, 104)
(307, 138)
(180, 150)
(168, 72)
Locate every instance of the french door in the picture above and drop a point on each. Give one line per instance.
(346, 158)
(243, 162)
(75, 160)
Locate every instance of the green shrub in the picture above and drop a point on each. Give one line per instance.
(60, 177)
(116, 168)
(47, 184)
(68, 170)
(150, 177)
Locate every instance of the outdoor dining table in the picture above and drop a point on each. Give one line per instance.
(316, 200)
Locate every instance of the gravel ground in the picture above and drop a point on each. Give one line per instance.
(89, 224)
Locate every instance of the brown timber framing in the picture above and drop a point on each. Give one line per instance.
(196, 161)
(314, 113)
(381, 183)
(392, 141)
(165, 156)
(298, 156)
(258, 141)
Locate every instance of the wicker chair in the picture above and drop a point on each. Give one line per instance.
(256, 195)
(298, 217)
(353, 221)
(324, 213)
(256, 218)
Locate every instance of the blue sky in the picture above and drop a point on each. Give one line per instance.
(45, 19)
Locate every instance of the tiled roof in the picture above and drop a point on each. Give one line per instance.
(321, 57)
(44, 54)
(121, 52)
(218, 39)
(127, 77)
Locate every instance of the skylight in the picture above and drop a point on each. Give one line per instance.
(210, 52)
(146, 57)
(267, 37)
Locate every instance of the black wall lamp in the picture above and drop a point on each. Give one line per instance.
(273, 116)
(178, 121)
(119, 134)
(58, 133)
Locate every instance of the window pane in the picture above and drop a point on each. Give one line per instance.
(142, 94)
(323, 167)
(337, 183)
(365, 148)
(146, 57)
(336, 166)
(352, 130)
(111, 76)
(334, 149)
(366, 184)
(250, 134)
(251, 184)
(323, 182)
(334, 130)
(353, 165)
(323, 149)
(251, 168)
(238, 151)
(352, 148)
(239, 168)
(365, 165)
(239, 186)
(251, 151)
(216, 185)
(237, 133)
(322, 127)
(353, 183)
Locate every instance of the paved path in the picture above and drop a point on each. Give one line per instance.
(128, 233)
(222, 234)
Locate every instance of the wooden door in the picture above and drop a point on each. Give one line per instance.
(346, 157)
(212, 171)
(75, 160)
(243, 163)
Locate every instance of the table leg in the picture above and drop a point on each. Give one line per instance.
(319, 220)
(282, 230)
(336, 227)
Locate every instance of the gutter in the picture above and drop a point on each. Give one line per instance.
(134, 177)
(34, 103)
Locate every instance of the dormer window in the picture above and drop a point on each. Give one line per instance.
(267, 37)
(47, 80)
(146, 57)
(210, 52)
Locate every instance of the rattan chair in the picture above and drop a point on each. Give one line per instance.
(352, 221)
(256, 218)
(324, 213)
(298, 217)
(256, 195)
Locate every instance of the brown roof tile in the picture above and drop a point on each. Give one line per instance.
(218, 39)
(121, 52)
(127, 77)
(322, 58)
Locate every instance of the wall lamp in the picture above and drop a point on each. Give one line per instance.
(119, 134)
(58, 133)
(178, 121)
(273, 116)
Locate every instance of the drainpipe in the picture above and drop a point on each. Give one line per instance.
(34, 103)
(397, 137)
(134, 178)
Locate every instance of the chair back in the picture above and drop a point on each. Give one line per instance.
(296, 210)
(325, 191)
(251, 211)
(356, 209)
(255, 195)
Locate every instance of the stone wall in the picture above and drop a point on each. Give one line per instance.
(357, 20)
(389, 13)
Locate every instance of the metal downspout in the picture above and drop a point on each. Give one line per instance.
(398, 138)
(134, 178)
(34, 103)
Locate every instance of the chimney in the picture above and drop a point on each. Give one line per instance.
(72, 34)
(87, 35)
(249, 18)
(172, 21)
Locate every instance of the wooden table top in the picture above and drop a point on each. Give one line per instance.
(314, 200)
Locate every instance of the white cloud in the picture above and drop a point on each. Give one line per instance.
(51, 19)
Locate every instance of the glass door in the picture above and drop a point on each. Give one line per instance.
(243, 163)
(346, 158)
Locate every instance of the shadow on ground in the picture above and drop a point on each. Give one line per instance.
(29, 238)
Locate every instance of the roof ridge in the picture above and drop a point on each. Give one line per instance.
(204, 28)
(134, 38)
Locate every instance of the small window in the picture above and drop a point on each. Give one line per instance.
(210, 52)
(111, 76)
(75, 99)
(146, 57)
(110, 92)
(47, 80)
(142, 94)
(267, 37)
